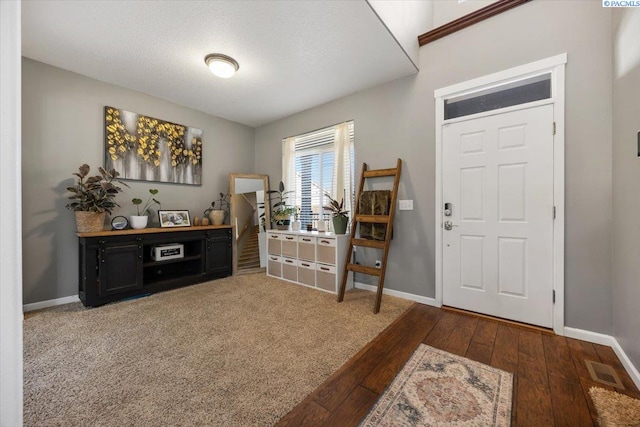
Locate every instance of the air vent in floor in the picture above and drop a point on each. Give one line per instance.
(604, 374)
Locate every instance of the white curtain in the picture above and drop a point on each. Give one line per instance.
(342, 166)
(289, 168)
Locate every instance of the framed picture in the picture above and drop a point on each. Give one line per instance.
(145, 148)
(174, 219)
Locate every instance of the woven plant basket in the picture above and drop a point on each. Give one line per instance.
(88, 222)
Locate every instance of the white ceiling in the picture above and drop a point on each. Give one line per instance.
(292, 55)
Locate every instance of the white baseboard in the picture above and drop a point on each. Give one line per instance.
(594, 337)
(399, 294)
(607, 340)
(49, 303)
(626, 362)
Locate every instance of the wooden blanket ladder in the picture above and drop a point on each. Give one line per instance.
(373, 219)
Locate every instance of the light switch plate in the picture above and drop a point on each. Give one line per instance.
(405, 205)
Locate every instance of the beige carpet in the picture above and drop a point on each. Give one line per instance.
(615, 409)
(437, 388)
(234, 352)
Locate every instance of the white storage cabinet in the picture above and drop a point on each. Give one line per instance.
(308, 258)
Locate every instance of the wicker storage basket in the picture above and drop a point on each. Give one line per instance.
(90, 221)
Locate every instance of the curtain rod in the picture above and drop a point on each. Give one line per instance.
(316, 130)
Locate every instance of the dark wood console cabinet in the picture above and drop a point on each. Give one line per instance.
(115, 265)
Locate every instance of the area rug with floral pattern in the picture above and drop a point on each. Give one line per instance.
(437, 388)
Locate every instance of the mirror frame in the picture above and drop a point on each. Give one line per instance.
(232, 210)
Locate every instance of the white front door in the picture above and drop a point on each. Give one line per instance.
(498, 240)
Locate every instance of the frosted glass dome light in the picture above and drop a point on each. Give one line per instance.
(221, 65)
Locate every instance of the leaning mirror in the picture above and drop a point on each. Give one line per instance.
(249, 214)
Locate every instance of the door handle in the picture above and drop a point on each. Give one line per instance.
(448, 225)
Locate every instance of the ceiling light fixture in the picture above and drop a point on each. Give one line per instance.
(221, 65)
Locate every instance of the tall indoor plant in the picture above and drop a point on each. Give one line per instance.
(281, 214)
(340, 217)
(92, 197)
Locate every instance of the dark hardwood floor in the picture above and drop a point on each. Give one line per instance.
(551, 380)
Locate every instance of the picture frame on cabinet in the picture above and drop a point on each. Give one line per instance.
(175, 218)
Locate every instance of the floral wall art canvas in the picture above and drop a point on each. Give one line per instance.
(148, 149)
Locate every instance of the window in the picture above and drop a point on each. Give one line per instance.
(505, 95)
(319, 163)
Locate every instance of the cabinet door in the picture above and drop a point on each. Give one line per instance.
(274, 243)
(326, 250)
(219, 252)
(274, 266)
(307, 248)
(290, 246)
(120, 267)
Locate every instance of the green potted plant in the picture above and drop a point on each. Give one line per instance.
(281, 214)
(218, 216)
(92, 197)
(339, 216)
(140, 221)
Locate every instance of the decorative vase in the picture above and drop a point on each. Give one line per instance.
(321, 226)
(138, 222)
(340, 224)
(216, 216)
(296, 225)
(88, 222)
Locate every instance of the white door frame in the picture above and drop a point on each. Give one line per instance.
(556, 66)
(11, 383)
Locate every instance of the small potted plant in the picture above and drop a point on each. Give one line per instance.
(340, 217)
(281, 214)
(92, 197)
(218, 216)
(140, 221)
(282, 217)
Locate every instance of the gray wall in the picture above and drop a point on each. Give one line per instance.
(405, 20)
(626, 176)
(397, 120)
(62, 128)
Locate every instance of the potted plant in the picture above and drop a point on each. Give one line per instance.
(92, 197)
(218, 216)
(281, 214)
(140, 221)
(282, 217)
(340, 217)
